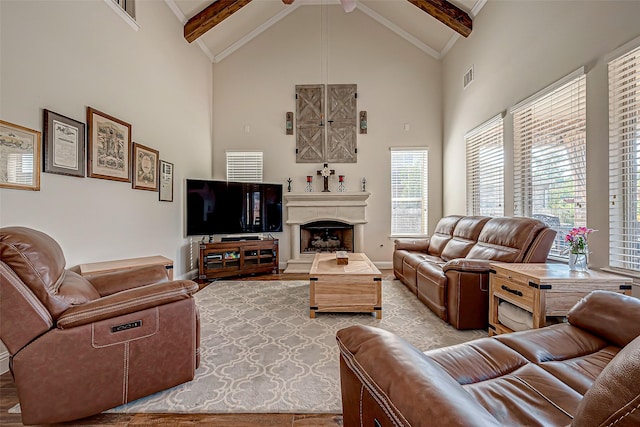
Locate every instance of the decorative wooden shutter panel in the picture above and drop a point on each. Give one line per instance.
(310, 135)
(341, 121)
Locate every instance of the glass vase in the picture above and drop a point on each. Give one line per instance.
(578, 262)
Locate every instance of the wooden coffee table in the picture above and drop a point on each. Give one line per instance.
(354, 288)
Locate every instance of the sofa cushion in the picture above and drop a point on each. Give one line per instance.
(465, 235)
(506, 384)
(571, 354)
(506, 239)
(442, 234)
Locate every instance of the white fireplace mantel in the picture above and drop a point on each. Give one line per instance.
(303, 208)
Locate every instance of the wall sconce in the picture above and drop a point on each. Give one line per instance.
(289, 123)
(363, 122)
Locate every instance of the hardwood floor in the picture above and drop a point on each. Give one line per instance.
(9, 398)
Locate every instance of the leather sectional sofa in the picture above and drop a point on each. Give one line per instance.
(449, 271)
(582, 373)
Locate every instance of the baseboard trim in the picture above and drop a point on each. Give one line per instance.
(4, 362)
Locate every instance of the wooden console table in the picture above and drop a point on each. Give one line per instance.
(544, 290)
(91, 269)
(236, 258)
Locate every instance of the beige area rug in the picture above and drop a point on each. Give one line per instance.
(261, 353)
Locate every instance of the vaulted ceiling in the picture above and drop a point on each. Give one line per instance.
(420, 22)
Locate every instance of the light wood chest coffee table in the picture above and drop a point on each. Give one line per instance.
(354, 288)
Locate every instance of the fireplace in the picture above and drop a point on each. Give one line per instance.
(347, 209)
(326, 236)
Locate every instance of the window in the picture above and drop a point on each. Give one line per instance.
(485, 169)
(126, 9)
(244, 166)
(624, 161)
(550, 157)
(409, 191)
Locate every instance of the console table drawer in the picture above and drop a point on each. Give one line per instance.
(514, 292)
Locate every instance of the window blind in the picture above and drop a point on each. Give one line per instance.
(550, 158)
(485, 168)
(409, 191)
(244, 166)
(624, 161)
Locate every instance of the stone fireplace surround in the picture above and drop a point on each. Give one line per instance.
(304, 208)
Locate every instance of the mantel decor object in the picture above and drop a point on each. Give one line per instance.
(309, 187)
(289, 185)
(341, 187)
(325, 172)
(364, 184)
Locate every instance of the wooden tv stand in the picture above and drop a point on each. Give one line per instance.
(227, 259)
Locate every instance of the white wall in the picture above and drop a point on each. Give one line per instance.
(517, 49)
(67, 55)
(397, 84)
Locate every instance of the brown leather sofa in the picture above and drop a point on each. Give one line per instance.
(449, 271)
(79, 347)
(582, 373)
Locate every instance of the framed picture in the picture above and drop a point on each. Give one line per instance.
(64, 144)
(166, 181)
(145, 168)
(19, 157)
(109, 150)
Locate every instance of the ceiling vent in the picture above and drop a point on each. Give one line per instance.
(468, 77)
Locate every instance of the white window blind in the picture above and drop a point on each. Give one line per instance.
(624, 161)
(550, 157)
(409, 191)
(485, 168)
(244, 166)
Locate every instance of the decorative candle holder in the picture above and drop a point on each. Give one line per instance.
(309, 187)
(341, 187)
(364, 184)
(289, 185)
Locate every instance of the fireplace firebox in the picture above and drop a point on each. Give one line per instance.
(326, 236)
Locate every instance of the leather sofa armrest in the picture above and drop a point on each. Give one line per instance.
(421, 245)
(407, 381)
(118, 281)
(126, 302)
(468, 265)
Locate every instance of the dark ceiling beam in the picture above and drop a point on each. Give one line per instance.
(211, 16)
(447, 13)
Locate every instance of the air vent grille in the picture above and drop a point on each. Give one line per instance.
(468, 77)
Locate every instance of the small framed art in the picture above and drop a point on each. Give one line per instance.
(166, 181)
(145, 168)
(109, 147)
(64, 145)
(19, 157)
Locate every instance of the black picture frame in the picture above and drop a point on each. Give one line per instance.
(166, 181)
(64, 145)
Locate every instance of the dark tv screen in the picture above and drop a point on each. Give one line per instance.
(221, 207)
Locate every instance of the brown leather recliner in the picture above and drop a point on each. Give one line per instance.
(78, 346)
(584, 373)
(449, 271)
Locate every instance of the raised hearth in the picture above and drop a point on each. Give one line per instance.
(307, 208)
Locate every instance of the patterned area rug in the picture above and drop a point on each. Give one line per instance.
(261, 353)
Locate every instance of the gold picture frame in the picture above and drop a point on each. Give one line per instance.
(109, 151)
(145, 168)
(20, 149)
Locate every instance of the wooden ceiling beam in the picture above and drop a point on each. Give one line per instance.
(211, 16)
(447, 13)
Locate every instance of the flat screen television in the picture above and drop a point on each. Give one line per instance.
(221, 207)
